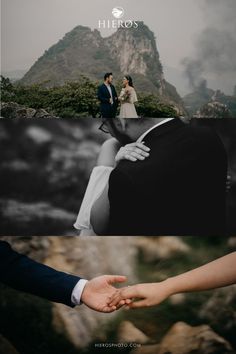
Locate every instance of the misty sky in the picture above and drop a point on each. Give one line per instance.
(29, 27)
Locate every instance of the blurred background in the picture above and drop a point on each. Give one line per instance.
(45, 165)
(30, 325)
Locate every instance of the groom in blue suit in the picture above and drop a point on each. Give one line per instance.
(108, 97)
(24, 274)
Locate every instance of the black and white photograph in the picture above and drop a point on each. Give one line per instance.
(118, 177)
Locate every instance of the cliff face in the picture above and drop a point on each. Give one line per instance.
(77, 53)
(136, 53)
(85, 52)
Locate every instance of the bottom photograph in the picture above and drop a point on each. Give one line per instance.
(139, 295)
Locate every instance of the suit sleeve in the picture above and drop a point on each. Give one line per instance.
(124, 218)
(101, 96)
(24, 274)
(114, 92)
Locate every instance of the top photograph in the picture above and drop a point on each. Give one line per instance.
(118, 59)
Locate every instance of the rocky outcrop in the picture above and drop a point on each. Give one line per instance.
(15, 110)
(213, 110)
(157, 248)
(184, 339)
(128, 333)
(136, 52)
(207, 103)
(220, 311)
(85, 52)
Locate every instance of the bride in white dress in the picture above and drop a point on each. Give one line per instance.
(127, 98)
(91, 212)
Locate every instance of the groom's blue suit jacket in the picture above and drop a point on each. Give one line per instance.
(24, 274)
(107, 110)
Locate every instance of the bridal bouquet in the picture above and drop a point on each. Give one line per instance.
(125, 95)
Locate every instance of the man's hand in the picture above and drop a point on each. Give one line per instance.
(97, 292)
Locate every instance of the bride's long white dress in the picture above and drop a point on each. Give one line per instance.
(128, 109)
(97, 183)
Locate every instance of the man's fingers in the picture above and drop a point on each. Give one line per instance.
(116, 279)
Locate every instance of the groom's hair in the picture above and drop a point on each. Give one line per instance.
(107, 75)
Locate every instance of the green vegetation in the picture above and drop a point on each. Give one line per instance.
(75, 99)
(150, 106)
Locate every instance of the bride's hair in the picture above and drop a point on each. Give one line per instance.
(129, 78)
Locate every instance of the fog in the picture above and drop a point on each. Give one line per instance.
(183, 29)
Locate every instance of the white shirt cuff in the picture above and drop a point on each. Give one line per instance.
(77, 292)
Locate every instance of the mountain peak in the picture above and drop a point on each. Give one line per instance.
(83, 51)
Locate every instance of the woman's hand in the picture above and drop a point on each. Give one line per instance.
(213, 275)
(141, 295)
(133, 152)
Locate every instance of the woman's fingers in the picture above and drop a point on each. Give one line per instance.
(137, 151)
(128, 301)
(142, 146)
(137, 304)
(139, 145)
(130, 157)
(120, 304)
(133, 152)
(123, 294)
(137, 155)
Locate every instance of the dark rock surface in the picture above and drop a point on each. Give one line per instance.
(14, 110)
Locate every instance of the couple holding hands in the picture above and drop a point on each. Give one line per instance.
(109, 99)
(99, 294)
